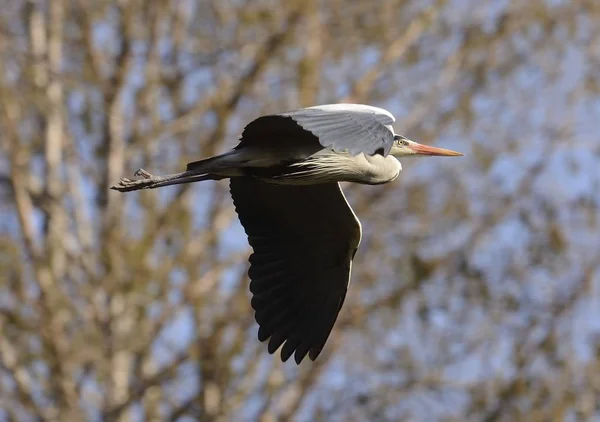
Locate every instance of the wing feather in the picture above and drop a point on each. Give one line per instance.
(354, 128)
(304, 239)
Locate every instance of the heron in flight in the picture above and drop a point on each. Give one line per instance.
(284, 180)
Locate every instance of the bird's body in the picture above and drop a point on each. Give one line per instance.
(310, 168)
(284, 180)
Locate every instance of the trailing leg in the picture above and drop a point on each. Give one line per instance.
(150, 181)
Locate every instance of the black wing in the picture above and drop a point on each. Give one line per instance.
(304, 239)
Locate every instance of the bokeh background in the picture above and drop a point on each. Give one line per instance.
(476, 291)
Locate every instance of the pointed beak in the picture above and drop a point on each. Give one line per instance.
(421, 149)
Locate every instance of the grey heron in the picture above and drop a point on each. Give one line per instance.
(284, 180)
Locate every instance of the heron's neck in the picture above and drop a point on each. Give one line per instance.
(381, 169)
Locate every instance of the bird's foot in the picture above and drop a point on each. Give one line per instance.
(127, 185)
(143, 173)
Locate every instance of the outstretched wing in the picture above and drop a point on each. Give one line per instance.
(355, 128)
(304, 239)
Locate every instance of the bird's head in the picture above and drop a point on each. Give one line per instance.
(403, 147)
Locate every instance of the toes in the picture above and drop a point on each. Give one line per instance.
(143, 173)
(126, 185)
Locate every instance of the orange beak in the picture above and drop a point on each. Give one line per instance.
(427, 150)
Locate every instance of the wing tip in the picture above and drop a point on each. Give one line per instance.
(295, 348)
(312, 351)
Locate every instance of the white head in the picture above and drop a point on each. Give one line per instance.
(403, 147)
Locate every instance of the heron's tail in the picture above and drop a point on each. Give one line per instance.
(200, 165)
(230, 163)
(231, 159)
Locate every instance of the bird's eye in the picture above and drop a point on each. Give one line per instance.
(400, 140)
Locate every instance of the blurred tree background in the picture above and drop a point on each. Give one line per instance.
(476, 291)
